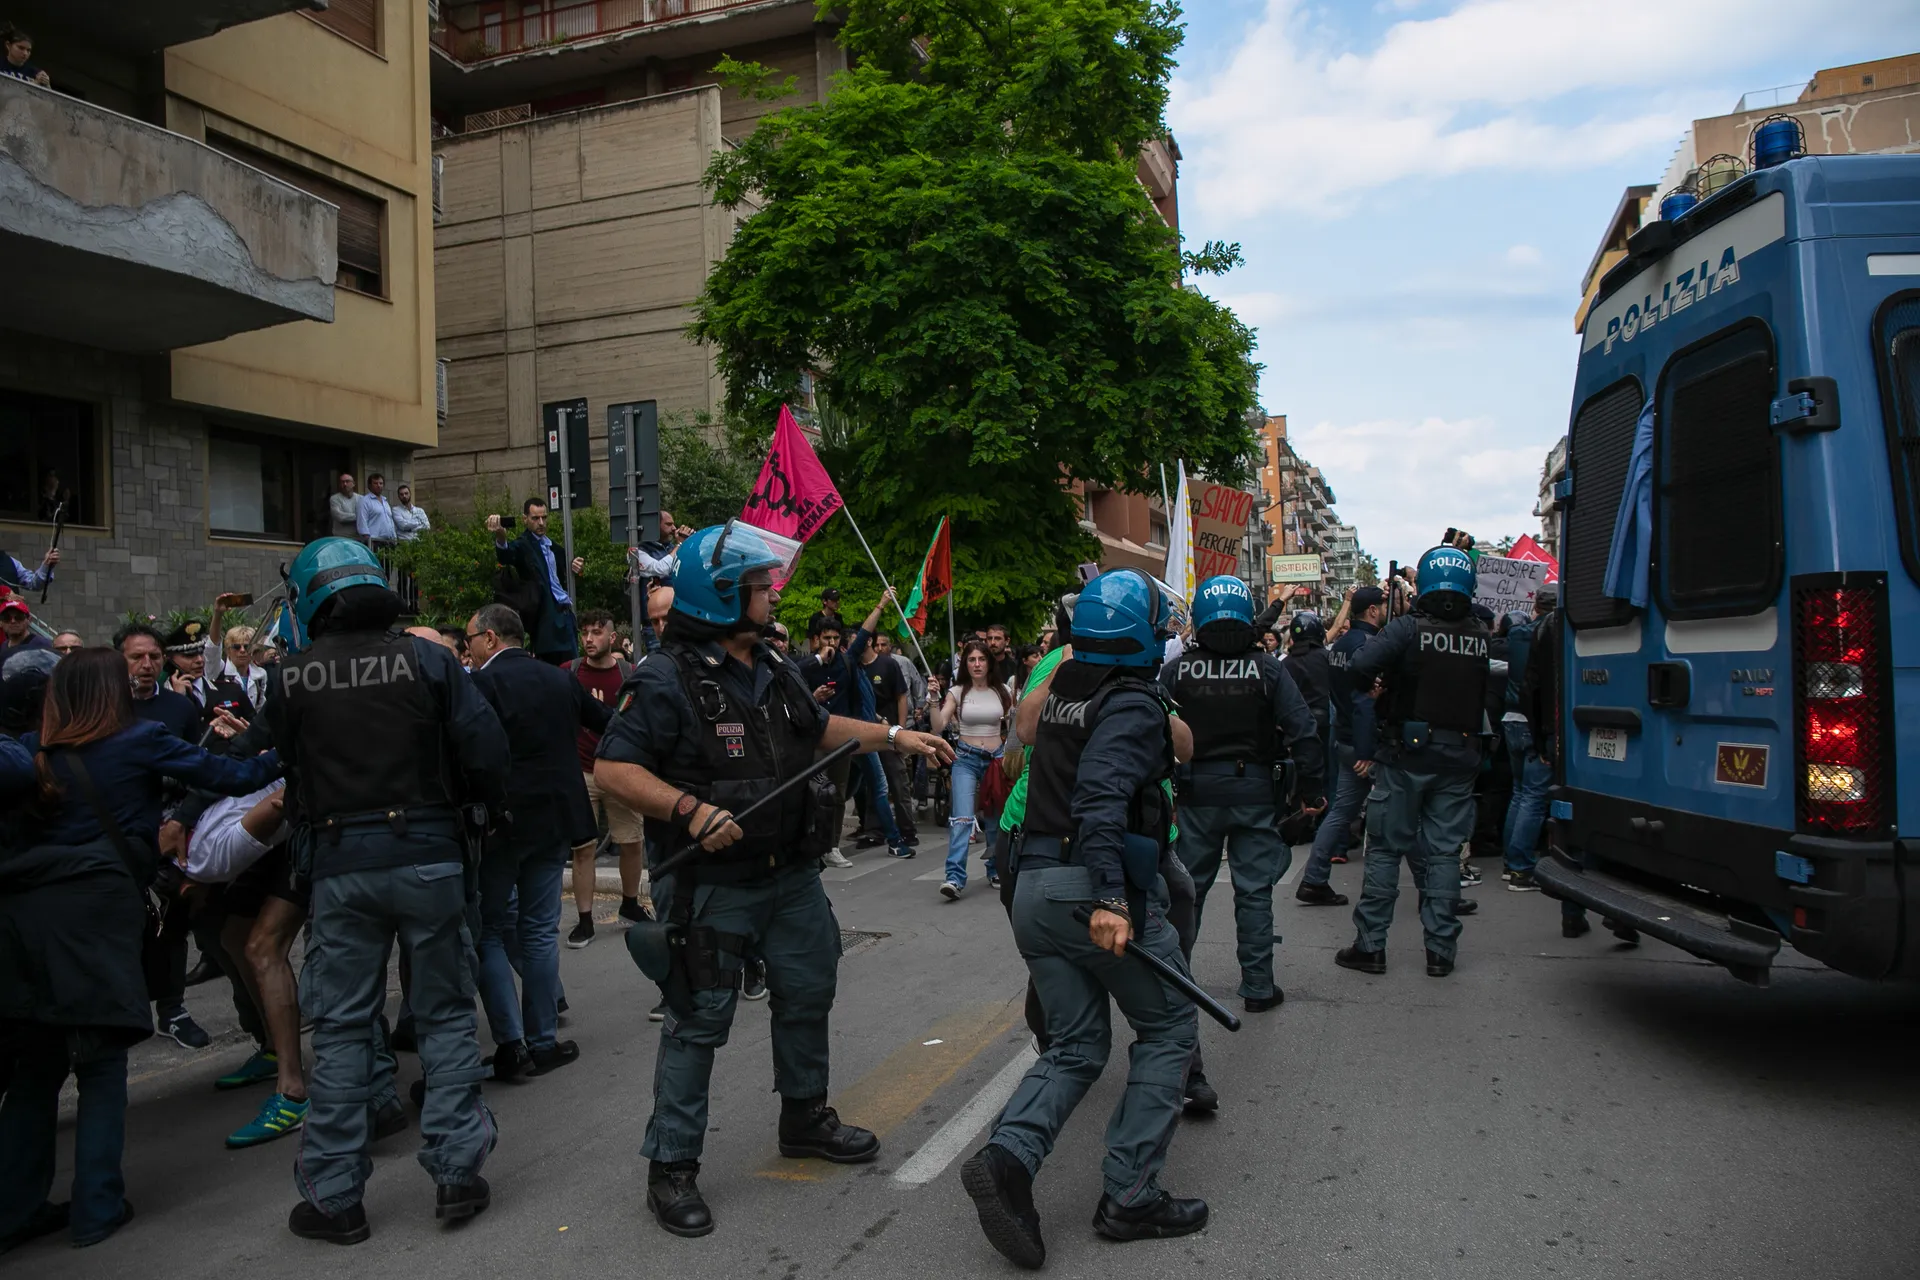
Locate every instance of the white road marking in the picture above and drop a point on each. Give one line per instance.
(853, 872)
(1301, 853)
(957, 1134)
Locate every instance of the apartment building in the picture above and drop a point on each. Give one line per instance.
(216, 228)
(1860, 109)
(575, 233)
(1300, 509)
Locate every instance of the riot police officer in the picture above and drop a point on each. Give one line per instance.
(713, 722)
(1433, 665)
(1247, 718)
(1088, 888)
(384, 738)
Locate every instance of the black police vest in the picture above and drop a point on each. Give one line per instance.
(745, 752)
(1228, 703)
(1067, 719)
(1443, 681)
(369, 734)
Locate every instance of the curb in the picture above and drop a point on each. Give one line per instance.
(605, 880)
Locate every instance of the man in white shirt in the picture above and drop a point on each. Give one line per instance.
(344, 509)
(409, 521)
(373, 518)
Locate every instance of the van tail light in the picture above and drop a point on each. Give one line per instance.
(1842, 705)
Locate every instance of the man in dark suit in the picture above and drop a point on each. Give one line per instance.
(548, 813)
(532, 557)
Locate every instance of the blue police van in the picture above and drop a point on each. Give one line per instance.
(1739, 719)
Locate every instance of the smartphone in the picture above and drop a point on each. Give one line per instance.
(507, 522)
(237, 599)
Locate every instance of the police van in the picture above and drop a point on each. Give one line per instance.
(1739, 720)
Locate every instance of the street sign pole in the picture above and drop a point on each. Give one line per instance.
(635, 606)
(566, 502)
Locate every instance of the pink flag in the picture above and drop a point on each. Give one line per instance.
(794, 495)
(1527, 549)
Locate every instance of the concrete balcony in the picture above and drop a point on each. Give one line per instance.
(150, 25)
(129, 237)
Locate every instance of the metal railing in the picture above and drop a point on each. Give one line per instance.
(1779, 95)
(472, 38)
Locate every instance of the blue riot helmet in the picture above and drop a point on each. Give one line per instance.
(709, 567)
(1306, 628)
(1446, 569)
(1223, 615)
(1120, 621)
(324, 568)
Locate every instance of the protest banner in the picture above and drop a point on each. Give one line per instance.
(1504, 583)
(1528, 549)
(1220, 516)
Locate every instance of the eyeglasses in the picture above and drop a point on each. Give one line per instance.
(239, 647)
(475, 635)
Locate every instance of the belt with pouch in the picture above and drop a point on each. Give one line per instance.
(1139, 856)
(437, 820)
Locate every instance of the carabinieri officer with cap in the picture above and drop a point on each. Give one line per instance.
(713, 722)
(1088, 888)
(1433, 664)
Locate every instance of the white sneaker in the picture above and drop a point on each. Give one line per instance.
(950, 891)
(835, 858)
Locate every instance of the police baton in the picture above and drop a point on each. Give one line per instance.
(1177, 980)
(680, 855)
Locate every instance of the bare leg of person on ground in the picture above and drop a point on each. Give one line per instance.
(274, 988)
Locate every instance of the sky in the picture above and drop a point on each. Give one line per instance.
(1418, 186)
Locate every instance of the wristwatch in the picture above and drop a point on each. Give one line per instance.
(893, 731)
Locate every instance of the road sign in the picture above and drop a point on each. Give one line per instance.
(633, 445)
(570, 415)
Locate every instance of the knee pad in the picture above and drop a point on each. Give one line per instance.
(326, 1035)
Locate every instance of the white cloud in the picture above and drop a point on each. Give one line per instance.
(1292, 121)
(1524, 255)
(1402, 483)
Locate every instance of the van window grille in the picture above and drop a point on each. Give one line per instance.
(1898, 342)
(1717, 478)
(1598, 449)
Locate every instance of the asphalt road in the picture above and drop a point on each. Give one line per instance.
(1566, 1108)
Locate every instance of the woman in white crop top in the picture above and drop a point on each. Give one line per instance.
(977, 708)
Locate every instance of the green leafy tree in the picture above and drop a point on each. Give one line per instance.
(707, 467)
(956, 244)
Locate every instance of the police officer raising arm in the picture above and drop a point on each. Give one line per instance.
(1433, 666)
(712, 723)
(384, 738)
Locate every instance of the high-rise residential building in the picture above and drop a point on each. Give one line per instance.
(218, 228)
(1300, 506)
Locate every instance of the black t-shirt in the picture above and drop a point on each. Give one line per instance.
(888, 684)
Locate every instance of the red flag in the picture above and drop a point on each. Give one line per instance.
(936, 578)
(1527, 549)
(794, 495)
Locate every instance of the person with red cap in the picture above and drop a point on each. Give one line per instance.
(16, 630)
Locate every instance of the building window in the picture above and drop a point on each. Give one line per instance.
(265, 487)
(362, 241)
(49, 448)
(357, 20)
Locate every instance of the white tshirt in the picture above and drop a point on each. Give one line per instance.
(220, 847)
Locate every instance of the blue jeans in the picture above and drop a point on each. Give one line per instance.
(29, 1122)
(1532, 775)
(1350, 791)
(879, 801)
(527, 932)
(970, 764)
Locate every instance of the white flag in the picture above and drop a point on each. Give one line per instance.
(1179, 573)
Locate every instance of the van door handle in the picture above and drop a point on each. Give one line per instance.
(1669, 684)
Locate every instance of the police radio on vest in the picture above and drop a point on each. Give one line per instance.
(1463, 646)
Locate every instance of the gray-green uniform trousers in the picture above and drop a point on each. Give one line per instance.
(1074, 979)
(1423, 817)
(358, 916)
(794, 932)
(1256, 859)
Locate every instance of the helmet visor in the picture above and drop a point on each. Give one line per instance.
(742, 548)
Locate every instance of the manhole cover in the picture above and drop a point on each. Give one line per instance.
(852, 940)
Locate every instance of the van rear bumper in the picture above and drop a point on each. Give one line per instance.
(1746, 951)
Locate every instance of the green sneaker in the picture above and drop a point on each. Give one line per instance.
(279, 1116)
(262, 1066)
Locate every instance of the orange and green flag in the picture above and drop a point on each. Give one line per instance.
(935, 581)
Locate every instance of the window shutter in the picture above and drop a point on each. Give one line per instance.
(357, 20)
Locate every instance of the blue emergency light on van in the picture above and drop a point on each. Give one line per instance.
(1741, 575)
(1675, 203)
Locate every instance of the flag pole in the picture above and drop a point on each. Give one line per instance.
(874, 560)
(953, 645)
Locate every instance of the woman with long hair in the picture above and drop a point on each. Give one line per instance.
(977, 708)
(85, 795)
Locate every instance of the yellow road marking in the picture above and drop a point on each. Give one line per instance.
(901, 1084)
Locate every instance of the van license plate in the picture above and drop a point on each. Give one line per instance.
(1607, 744)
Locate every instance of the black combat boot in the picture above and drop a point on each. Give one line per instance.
(349, 1226)
(1202, 1099)
(1260, 1004)
(512, 1061)
(809, 1127)
(1002, 1192)
(1364, 961)
(456, 1201)
(1320, 895)
(674, 1196)
(548, 1060)
(1438, 966)
(1150, 1219)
